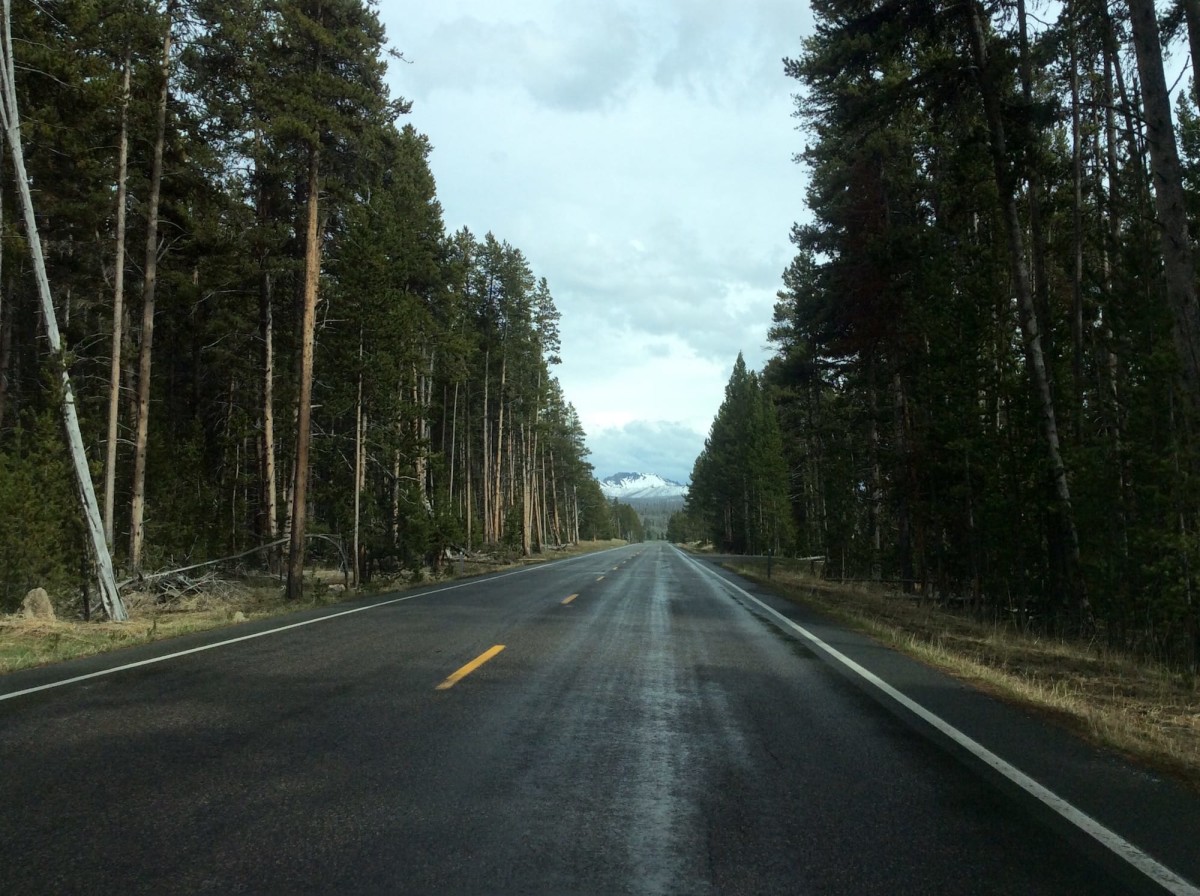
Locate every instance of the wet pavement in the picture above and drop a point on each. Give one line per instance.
(653, 734)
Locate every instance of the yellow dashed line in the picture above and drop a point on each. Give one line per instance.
(470, 667)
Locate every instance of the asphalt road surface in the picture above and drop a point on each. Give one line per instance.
(626, 722)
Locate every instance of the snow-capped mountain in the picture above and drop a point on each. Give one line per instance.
(641, 486)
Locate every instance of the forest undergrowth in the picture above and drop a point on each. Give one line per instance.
(1143, 710)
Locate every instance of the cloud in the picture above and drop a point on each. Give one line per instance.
(646, 446)
(577, 58)
(725, 52)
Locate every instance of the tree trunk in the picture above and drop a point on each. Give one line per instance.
(489, 536)
(5, 332)
(453, 445)
(110, 596)
(1178, 264)
(270, 507)
(268, 501)
(876, 502)
(903, 508)
(1006, 189)
(312, 270)
(137, 532)
(526, 497)
(497, 471)
(1076, 233)
(468, 499)
(359, 421)
(114, 377)
(555, 520)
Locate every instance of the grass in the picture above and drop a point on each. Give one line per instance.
(36, 642)
(1147, 712)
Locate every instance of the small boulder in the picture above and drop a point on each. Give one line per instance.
(37, 605)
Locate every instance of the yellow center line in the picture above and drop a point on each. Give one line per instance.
(470, 667)
(569, 599)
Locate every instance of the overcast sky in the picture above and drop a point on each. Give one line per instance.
(640, 155)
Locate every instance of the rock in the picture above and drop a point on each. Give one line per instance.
(37, 605)
(239, 616)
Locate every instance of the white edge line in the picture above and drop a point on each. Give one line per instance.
(1153, 869)
(63, 682)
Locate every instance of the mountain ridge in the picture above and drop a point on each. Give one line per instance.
(627, 486)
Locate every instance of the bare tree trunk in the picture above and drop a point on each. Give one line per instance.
(422, 400)
(453, 445)
(488, 535)
(903, 509)
(1178, 263)
(876, 502)
(268, 501)
(110, 596)
(526, 508)
(114, 377)
(312, 270)
(1076, 232)
(1079, 606)
(543, 501)
(289, 483)
(469, 501)
(1111, 363)
(359, 422)
(137, 532)
(556, 524)
(270, 505)
(5, 332)
(497, 471)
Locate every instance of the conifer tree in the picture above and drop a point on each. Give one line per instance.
(740, 480)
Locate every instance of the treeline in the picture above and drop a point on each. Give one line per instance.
(987, 343)
(738, 498)
(270, 333)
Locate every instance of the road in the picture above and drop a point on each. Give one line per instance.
(625, 722)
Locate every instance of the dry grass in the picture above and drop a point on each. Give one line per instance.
(36, 642)
(1147, 712)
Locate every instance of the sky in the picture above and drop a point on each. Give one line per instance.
(640, 155)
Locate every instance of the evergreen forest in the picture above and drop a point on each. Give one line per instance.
(267, 332)
(986, 370)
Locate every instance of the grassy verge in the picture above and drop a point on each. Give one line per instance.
(1146, 712)
(36, 642)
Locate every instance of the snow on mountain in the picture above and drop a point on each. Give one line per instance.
(641, 486)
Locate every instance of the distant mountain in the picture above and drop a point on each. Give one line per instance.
(642, 487)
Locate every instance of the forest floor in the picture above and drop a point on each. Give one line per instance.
(215, 601)
(1148, 712)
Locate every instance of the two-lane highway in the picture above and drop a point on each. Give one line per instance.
(615, 723)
